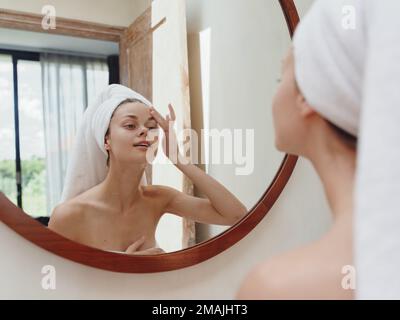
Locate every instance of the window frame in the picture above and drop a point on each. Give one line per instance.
(18, 55)
(22, 55)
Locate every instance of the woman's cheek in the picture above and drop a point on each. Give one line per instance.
(277, 106)
(124, 137)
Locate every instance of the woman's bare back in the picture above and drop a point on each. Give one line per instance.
(90, 221)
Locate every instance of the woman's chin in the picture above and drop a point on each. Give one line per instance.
(279, 146)
(143, 158)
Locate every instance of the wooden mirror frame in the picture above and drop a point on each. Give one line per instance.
(35, 232)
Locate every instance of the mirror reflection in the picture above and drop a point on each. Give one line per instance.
(151, 149)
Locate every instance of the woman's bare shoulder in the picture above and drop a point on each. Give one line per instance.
(310, 272)
(67, 210)
(159, 192)
(75, 208)
(66, 218)
(156, 189)
(159, 196)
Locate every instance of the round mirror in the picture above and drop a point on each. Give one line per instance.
(218, 63)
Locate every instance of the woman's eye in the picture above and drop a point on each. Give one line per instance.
(153, 128)
(131, 126)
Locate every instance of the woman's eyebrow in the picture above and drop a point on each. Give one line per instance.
(130, 116)
(135, 117)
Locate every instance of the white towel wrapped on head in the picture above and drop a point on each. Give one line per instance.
(87, 163)
(329, 64)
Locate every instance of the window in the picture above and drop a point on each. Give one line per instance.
(31, 136)
(27, 147)
(8, 180)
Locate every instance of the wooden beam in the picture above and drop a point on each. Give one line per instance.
(33, 22)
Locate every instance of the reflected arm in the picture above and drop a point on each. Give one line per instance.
(220, 207)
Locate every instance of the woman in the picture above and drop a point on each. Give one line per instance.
(340, 81)
(120, 214)
(313, 271)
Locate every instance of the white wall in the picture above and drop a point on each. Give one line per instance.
(303, 6)
(300, 215)
(245, 51)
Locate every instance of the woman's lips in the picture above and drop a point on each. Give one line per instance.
(140, 147)
(143, 143)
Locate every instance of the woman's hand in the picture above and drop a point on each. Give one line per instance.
(133, 249)
(169, 141)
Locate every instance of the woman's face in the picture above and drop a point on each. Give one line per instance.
(130, 126)
(290, 112)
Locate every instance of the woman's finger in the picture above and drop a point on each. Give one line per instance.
(172, 112)
(154, 251)
(136, 245)
(150, 251)
(159, 118)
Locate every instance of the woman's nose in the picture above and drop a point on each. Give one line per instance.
(143, 131)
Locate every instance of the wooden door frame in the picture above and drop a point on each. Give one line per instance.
(43, 237)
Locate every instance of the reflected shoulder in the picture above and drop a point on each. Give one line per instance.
(65, 218)
(161, 195)
(159, 191)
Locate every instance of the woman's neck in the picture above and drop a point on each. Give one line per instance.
(335, 165)
(121, 187)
